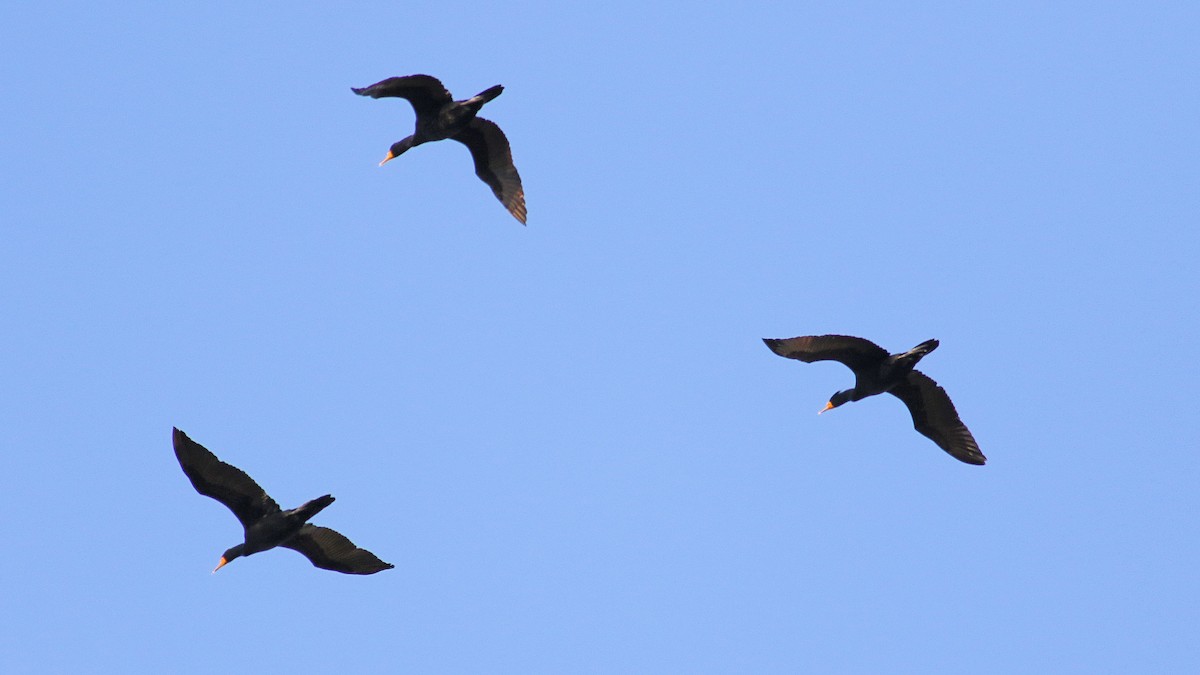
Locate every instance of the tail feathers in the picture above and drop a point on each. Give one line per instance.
(313, 507)
(909, 358)
(487, 94)
(924, 348)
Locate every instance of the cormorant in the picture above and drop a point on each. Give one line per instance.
(439, 117)
(266, 525)
(876, 371)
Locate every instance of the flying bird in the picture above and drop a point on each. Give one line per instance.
(266, 525)
(876, 372)
(440, 117)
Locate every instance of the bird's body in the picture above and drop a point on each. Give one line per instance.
(877, 372)
(440, 117)
(277, 528)
(264, 523)
(873, 379)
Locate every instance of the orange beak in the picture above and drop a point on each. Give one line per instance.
(828, 406)
(387, 159)
(220, 564)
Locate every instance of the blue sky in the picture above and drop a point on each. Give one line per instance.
(568, 437)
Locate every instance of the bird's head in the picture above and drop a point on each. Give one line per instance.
(235, 552)
(398, 148)
(835, 400)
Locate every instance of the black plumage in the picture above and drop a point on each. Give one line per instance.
(440, 117)
(876, 372)
(266, 525)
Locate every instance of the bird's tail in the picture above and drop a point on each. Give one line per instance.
(924, 348)
(909, 358)
(312, 508)
(485, 96)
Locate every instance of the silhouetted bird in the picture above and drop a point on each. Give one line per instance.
(266, 525)
(875, 371)
(439, 117)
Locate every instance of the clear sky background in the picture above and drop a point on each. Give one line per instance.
(568, 437)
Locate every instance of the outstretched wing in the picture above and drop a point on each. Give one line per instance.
(934, 416)
(425, 92)
(223, 482)
(330, 550)
(494, 164)
(854, 352)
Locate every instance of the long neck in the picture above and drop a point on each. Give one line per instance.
(400, 147)
(235, 552)
(846, 396)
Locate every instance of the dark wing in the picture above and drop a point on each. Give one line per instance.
(425, 92)
(493, 163)
(223, 482)
(854, 352)
(934, 416)
(329, 550)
